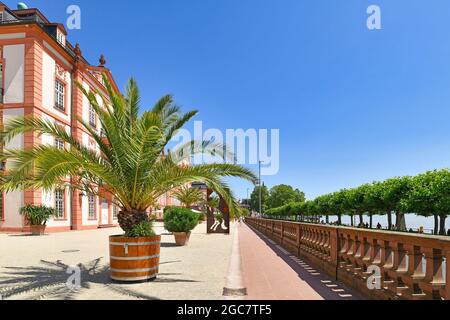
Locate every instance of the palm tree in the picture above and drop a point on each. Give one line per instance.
(130, 164)
(189, 196)
(213, 203)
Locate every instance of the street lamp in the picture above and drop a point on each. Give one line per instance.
(260, 188)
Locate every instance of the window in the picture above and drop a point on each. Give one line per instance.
(59, 203)
(1, 16)
(59, 144)
(59, 95)
(92, 116)
(115, 212)
(2, 214)
(2, 92)
(61, 38)
(91, 204)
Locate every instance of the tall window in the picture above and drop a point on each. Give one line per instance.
(59, 203)
(2, 214)
(2, 91)
(91, 204)
(92, 118)
(59, 95)
(115, 212)
(61, 38)
(59, 144)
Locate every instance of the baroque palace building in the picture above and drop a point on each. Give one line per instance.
(39, 69)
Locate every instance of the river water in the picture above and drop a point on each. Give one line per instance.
(412, 221)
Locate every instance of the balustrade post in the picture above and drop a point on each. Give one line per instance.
(282, 232)
(298, 240)
(334, 250)
(447, 275)
(433, 282)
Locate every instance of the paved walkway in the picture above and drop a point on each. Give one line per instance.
(35, 267)
(272, 273)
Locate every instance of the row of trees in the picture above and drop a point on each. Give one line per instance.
(426, 195)
(275, 197)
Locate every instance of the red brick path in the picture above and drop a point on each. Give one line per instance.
(271, 273)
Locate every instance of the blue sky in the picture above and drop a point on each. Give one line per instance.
(352, 105)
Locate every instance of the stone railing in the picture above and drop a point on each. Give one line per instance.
(379, 264)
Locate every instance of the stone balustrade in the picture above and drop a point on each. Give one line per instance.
(379, 264)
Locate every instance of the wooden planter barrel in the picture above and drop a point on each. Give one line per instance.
(134, 259)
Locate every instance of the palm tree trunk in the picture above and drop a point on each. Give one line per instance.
(442, 230)
(127, 220)
(436, 224)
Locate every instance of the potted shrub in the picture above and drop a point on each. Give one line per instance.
(180, 221)
(36, 217)
(131, 164)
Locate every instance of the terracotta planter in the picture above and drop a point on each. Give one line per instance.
(38, 230)
(134, 259)
(182, 238)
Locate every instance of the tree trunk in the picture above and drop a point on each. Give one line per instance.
(442, 230)
(127, 220)
(327, 219)
(397, 222)
(389, 220)
(339, 220)
(361, 219)
(371, 220)
(436, 224)
(353, 222)
(401, 222)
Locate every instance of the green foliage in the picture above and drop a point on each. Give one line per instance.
(282, 194)
(430, 196)
(213, 203)
(427, 194)
(244, 212)
(142, 229)
(180, 219)
(254, 198)
(189, 196)
(129, 160)
(37, 215)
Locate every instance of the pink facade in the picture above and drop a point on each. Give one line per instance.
(38, 71)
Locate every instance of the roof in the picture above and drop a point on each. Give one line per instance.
(40, 19)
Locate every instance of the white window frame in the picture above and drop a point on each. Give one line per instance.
(59, 144)
(60, 203)
(2, 206)
(92, 116)
(91, 206)
(60, 91)
(115, 211)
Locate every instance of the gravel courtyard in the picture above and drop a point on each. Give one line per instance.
(35, 267)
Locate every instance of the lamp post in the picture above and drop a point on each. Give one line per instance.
(260, 189)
